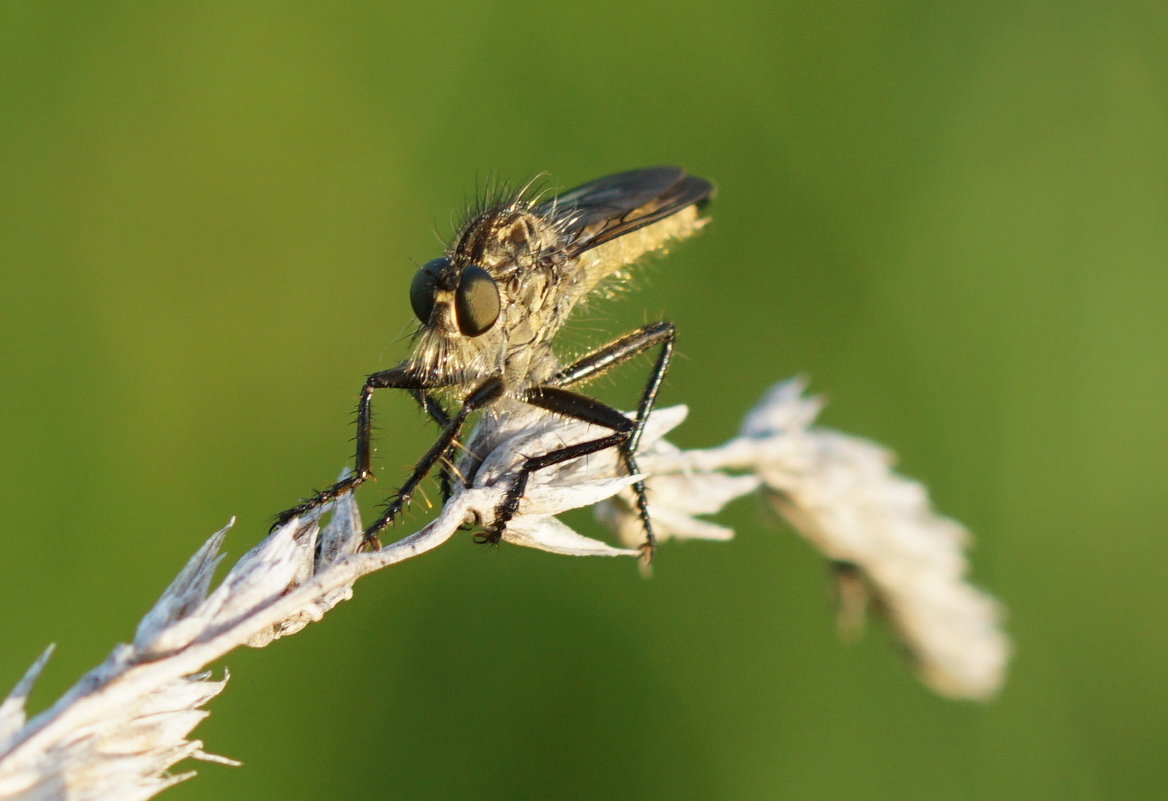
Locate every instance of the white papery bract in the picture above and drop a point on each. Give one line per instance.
(841, 494)
(678, 490)
(675, 500)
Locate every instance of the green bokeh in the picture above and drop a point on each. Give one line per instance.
(952, 216)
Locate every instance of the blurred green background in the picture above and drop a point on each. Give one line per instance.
(952, 216)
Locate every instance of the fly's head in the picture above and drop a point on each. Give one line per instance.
(488, 307)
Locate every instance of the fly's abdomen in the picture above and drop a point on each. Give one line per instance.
(616, 254)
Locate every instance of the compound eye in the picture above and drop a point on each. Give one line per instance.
(424, 286)
(476, 301)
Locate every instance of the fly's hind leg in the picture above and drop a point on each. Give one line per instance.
(601, 360)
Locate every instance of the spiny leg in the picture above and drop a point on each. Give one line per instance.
(620, 350)
(439, 415)
(510, 504)
(605, 358)
(485, 394)
(568, 404)
(396, 378)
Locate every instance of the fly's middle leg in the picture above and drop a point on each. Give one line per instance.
(485, 394)
(510, 504)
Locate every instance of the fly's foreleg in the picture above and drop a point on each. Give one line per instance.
(397, 378)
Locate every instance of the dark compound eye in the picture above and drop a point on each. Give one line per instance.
(476, 301)
(424, 286)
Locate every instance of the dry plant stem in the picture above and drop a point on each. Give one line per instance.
(100, 700)
(118, 731)
(165, 667)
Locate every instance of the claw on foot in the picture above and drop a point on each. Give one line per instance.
(645, 560)
(488, 537)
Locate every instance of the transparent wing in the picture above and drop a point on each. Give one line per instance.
(601, 210)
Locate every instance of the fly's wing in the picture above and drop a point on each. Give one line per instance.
(602, 210)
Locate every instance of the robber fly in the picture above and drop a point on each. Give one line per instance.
(489, 309)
